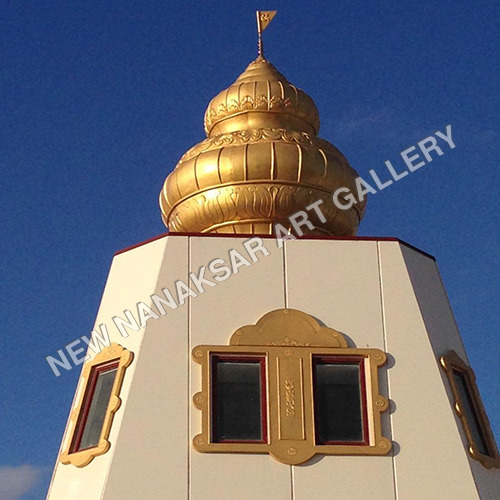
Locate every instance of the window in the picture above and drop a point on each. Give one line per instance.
(95, 405)
(238, 399)
(339, 394)
(292, 388)
(98, 400)
(470, 409)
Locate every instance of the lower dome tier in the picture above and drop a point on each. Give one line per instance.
(254, 208)
(246, 181)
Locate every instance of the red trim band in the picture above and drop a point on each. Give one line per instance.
(270, 236)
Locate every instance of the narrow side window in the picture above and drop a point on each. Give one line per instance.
(340, 415)
(470, 409)
(238, 399)
(94, 408)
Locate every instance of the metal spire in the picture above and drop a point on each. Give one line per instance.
(264, 17)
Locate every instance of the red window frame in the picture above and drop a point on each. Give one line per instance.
(87, 401)
(343, 360)
(257, 358)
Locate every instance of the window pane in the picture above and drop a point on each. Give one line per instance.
(236, 401)
(470, 413)
(97, 409)
(337, 402)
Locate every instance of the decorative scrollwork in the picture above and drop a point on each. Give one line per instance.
(254, 135)
(288, 342)
(289, 398)
(205, 212)
(247, 103)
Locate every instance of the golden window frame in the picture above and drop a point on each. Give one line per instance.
(450, 362)
(113, 353)
(289, 339)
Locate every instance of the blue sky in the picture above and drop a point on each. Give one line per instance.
(100, 99)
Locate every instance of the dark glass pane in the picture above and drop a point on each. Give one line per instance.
(337, 402)
(470, 413)
(237, 412)
(97, 410)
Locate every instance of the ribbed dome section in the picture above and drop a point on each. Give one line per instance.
(261, 93)
(261, 163)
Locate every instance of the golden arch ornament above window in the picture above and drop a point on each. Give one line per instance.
(276, 389)
(96, 403)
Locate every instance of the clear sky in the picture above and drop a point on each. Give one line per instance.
(100, 99)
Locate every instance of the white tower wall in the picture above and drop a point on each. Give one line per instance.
(378, 293)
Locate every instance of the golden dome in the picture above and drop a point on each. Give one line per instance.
(261, 163)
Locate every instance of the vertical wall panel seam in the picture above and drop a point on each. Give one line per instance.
(384, 330)
(285, 293)
(189, 258)
(131, 373)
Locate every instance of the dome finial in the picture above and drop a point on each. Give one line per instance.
(264, 17)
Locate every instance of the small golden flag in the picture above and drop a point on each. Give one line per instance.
(264, 17)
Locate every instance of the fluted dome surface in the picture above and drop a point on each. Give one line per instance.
(261, 163)
(261, 88)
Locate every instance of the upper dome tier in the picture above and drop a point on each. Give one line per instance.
(261, 95)
(261, 163)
